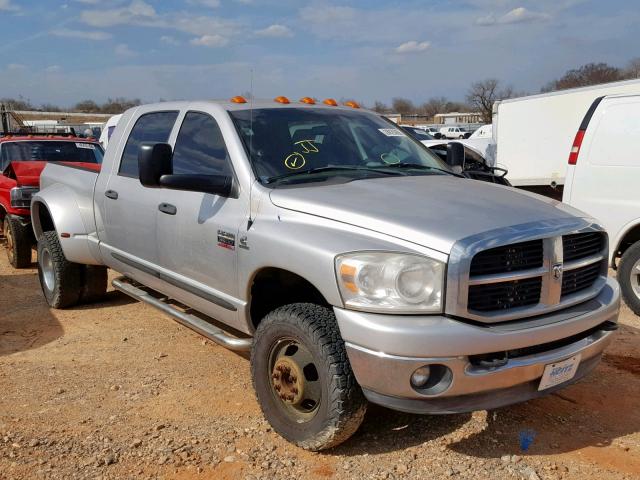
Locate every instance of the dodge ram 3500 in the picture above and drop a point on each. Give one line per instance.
(342, 253)
(22, 158)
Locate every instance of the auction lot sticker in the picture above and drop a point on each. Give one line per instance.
(559, 372)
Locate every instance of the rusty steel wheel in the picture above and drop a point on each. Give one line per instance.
(302, 377)
(294, 379)
(9, 239)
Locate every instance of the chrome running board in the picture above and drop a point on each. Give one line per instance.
(196, 324)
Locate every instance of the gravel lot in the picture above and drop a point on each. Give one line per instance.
(118, 390)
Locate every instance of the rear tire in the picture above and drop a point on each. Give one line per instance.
(94, 286)
(304, 341)
(60, 279)
(19, 239)
(629, 277)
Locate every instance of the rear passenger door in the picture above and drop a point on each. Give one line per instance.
(131, 209)
(197, 233)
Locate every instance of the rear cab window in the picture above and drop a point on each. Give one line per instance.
(154, 127)
(70, 151)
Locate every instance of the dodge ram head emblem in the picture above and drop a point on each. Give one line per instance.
(557, 271)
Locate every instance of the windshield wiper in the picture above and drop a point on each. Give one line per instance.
(328, 168)
(418, 166)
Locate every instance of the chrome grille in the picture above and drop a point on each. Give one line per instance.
(531, 276)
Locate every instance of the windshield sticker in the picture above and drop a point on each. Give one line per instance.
(307, 146)
(295, 161)
(391, 132)
(88, 146)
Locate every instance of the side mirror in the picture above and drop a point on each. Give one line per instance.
(455, 155)
(154, 161)
(220, 185)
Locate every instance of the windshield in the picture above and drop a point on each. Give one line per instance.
(50, 151)
(303, 144)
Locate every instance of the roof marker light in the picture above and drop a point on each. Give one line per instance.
(352, 104)
(238, 99)
(331, 102)
(308, 100)
(281, 99)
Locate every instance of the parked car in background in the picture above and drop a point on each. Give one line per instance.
(22, 158)
(453, 132)
(107, 130)
(433, 131)
(417, 133)
(603, 179)
(345, 256)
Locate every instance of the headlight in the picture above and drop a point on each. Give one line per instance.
(397, 282)
(21, 196)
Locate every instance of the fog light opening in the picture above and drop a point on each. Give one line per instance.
(431, 379)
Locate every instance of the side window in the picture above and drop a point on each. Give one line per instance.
(150, 127)
(200, 148)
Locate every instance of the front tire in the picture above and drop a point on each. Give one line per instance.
(19, 239)
(303, 379)
(60, 279)
(629, 277)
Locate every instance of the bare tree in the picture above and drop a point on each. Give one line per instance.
(19, 103)
(86, 106)
(632, 70)
(482, 95)
(380, 107)
(119, 105)
(403, 106)
(589, 74)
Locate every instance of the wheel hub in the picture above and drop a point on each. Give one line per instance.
(635, 278)
(9, 239)
(288, 381)
(46, 264)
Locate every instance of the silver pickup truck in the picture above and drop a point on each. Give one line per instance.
(340, 252)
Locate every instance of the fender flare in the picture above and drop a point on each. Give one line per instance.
(57, 204)
(624, 231)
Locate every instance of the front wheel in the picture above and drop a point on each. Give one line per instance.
(19, 239)
(303, 379)
(629, 277)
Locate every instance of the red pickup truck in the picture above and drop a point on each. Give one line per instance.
(22, 159)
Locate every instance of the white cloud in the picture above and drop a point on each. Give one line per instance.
(210, 41)
(276, 31)
(53, 69)
(123, 50)
(517, 15)
(86, 34)
(413, 46)
(205, 3)
(169, 40)
(138, 13)
(16, 66)
(8, 6)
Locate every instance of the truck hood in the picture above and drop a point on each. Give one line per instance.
(434, 211)
(28, 173)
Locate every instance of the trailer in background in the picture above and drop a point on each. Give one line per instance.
(534, 134)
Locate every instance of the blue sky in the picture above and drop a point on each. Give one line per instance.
(63, 51)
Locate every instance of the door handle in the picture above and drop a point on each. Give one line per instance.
(111, 194)
(168, 208)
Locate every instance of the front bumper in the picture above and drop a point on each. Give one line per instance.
(384, 351)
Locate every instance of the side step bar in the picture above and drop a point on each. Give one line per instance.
(213, 333)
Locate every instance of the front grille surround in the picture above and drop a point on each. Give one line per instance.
(462, 285)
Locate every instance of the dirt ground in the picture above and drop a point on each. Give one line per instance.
(118, 390)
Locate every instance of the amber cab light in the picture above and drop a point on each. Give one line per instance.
(331, 102)
(575, 148)
(281, 99)
(352, 104)
(239, 99)
(308, 100)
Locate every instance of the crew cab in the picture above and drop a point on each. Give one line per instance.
(22, 158)
(345, 256)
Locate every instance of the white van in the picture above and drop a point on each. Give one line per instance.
(603, 179)
(452, 132)
(107, 130)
